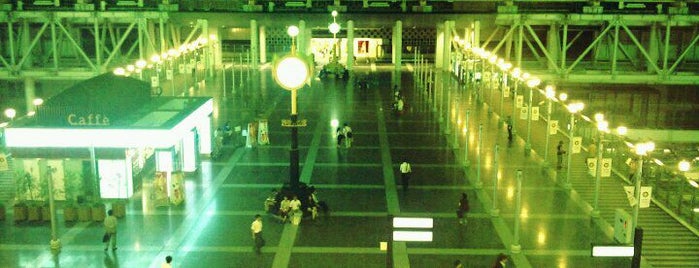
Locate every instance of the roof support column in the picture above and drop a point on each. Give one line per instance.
(254, 44)
(350, 45)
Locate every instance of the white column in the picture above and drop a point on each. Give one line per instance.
(477, 33)
(263, 45)
(439, 46)
(446, 56)
(216, 52)
(301, 39)
(254, 44)
(350, 45)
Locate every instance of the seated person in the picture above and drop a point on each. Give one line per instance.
(271, 202)
(284, 208)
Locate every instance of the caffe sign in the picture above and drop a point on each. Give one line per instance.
(75, 119)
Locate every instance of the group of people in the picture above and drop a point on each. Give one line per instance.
(222, 135)
(344, 136)
(289, 207)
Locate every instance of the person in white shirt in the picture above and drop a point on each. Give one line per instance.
(347, 131)
(110, 228)
(405, 171)
(256, 229)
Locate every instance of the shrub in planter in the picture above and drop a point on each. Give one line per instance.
(70, 211)
(98, 213)
(33, 211)
(119, 209)
(45, 211)
(20, 211)
(2, 211)
(84, 212)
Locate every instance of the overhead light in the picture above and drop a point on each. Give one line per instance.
(379, 4)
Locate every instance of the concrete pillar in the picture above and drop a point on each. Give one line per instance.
(216, 50)
(263, 45)
(350, 45)
(301, 41)
(552, 46)
(24, 44)
(398, 45)
(29, 93)
(653, 46)
(439, 46)
(254, 44)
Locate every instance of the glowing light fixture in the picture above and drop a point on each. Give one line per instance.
(291, 72)
(292, 31)
(119, 71)
(10, 113)
(683, 165)
(420, 236)
(402, 222)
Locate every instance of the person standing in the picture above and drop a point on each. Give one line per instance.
(458, 264)
(509, 132)
(256, 229)
(167, 263)
(405, 171)
(559, 153)
(591, 151)
(110, 229)
(340, 137)
(347, 131)
(463, 209)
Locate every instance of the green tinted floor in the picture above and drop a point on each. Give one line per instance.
(361, 184)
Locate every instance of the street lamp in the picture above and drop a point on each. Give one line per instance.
(603, 127)
(642, 149)
(10, 113)
(532, 83)
(573, 108)
(504, 67)
(550, 96)
(291, 72)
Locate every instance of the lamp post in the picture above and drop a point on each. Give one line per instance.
(532, 83)
(642, 149)
(504, 67)
(516, 72)
(603, 127)
(10, 113)
(291, 72)
(573, 108)
(55, 243)
(550, 95)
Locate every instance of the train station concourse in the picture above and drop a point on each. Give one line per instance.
(362, 133)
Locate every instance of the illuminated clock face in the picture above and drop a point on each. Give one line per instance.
(291, 72)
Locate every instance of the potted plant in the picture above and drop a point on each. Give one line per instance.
(2, 211)
(20, 211)
(33, 211)
(119, 208)
(98, 211)
(84, 211)
(45, 211)
(70, 211)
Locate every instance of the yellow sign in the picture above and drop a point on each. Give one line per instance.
(299, 123)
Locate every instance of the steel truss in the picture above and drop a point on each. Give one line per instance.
(79, 45)
(598, 48)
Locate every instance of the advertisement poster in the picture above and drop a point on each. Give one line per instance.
(160, 190)
(606, 170)
(577, 144)
(592, 166)
(505, 92)
(177, 188)
(154, 81)
(519, 100)
(3, 162)
(535, 113)
(112, 174)
(252, 135)
(263, 133)
(523, 113)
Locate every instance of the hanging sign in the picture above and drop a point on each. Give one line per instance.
(168, 74)
(3, 162)
(646, 192)
(505, 91)
(629, 190)
(523, 113)
(553, 127)
(181, 68)
(519, 100)
(606, 170)
(154, 81)
(592, 166)
(263, 133)
(577, 144)
(535, 113)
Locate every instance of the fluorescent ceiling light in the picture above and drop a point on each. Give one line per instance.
(415, 236)
(612, 251)
(402, 222)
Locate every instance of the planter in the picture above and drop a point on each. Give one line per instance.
(98, 212)
(20, 212)
(33, 213)
(46, 213)
(2, 212)
(84, 213)
(119, 209)
(70, 214)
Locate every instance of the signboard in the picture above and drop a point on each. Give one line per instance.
(553, 127)
(3, 162)
(629, 195)
(535, 113)
(519, 100)
(577, 144)
(592, 166)
(181, 68)
(606, 170)
(505, 92)
(622, 226)
(299, 123)
(646, 193)
(523, 113)
(263, 133)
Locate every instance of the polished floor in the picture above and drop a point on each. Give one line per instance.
(361, 184)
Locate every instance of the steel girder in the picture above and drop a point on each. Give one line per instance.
(79, 45)
(599, 48)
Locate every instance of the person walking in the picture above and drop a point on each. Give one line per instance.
(256, 229)
(509, 132)
(340, 136)
(167, 263)
(559, 153)
(110, 229)
(405, 171)
(347, 131)
(463, 209)
(500, 261)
